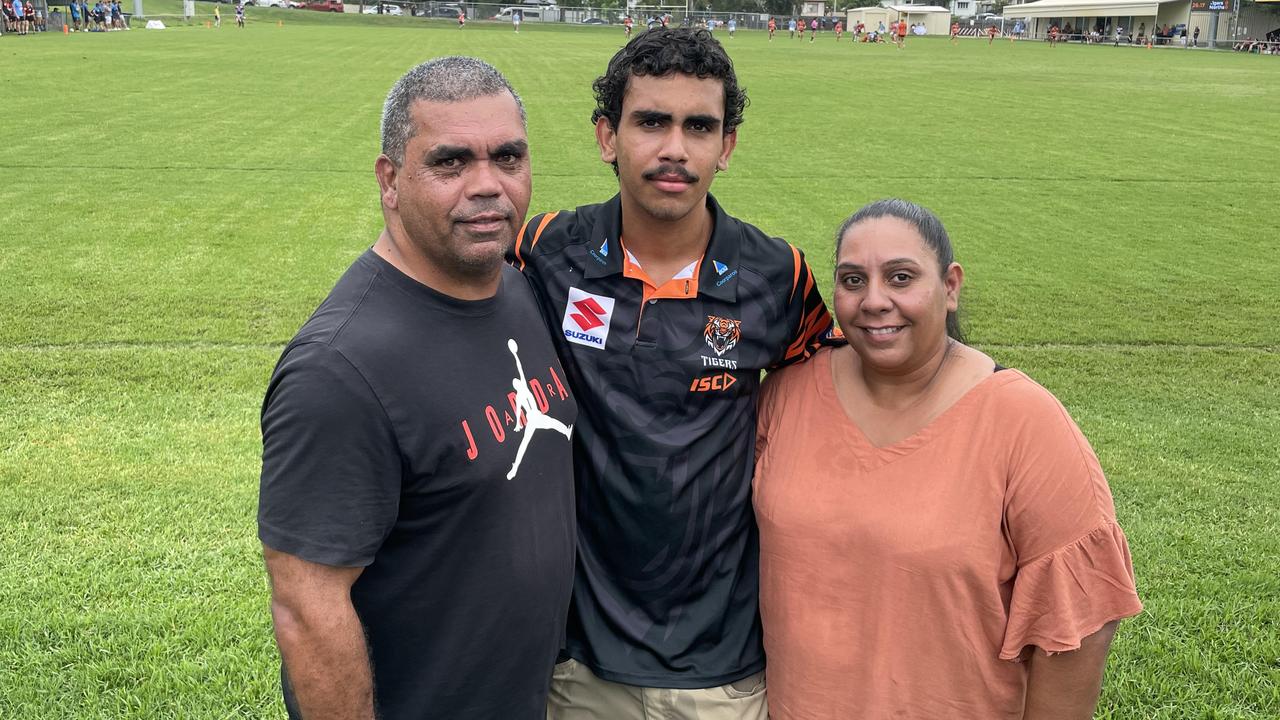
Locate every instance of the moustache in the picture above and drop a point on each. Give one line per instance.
(677, 170)
(485, 207)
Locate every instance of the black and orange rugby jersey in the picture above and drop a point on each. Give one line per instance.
(665, 593)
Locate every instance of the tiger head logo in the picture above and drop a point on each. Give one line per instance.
(722, 333)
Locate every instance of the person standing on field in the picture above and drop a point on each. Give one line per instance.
(416, 502)
(937, 537)
(667, 308)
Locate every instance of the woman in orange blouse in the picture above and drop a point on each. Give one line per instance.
(937, 538)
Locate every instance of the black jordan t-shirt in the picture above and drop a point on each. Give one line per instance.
(426, 439)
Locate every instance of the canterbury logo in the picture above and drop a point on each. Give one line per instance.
(589, 314)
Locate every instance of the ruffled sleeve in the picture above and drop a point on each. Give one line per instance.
(1063, 597)
(1073, 570)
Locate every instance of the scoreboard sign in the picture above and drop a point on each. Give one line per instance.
(1211, 5)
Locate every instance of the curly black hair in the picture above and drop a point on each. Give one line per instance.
(664, 51)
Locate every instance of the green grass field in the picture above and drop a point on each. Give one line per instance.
(174, 204)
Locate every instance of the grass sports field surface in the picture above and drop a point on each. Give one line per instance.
(174, 204)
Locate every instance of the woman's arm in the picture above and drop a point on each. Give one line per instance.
(1065, 686)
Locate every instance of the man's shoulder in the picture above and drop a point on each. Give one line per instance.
(546, 236)
(764, 253)
(566, 227)
(338, 315)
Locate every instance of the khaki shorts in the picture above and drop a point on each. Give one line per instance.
(577, 694)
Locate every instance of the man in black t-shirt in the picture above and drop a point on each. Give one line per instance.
(416, 507)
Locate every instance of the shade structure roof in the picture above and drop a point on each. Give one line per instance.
(1087, 8)
(909, 9)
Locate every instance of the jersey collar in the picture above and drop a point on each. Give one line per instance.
(718, 274)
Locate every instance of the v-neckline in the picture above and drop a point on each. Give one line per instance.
(873, 455)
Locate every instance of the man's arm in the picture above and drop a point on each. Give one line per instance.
(320, 637)
(1066, 686)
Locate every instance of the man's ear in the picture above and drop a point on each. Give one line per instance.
(387, 173)
(606, 137)
(730, 142)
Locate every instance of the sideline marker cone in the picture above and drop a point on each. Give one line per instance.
(65, 31)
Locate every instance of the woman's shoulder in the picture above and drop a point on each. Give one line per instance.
(800, 382)
(802, 372)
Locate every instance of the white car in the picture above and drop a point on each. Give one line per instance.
(387, 9)
(271, 3)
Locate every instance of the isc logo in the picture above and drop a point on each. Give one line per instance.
(710, 383)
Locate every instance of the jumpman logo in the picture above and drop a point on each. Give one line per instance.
(527, 408)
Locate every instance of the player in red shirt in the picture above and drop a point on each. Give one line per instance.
(902, 34)
(462, 19)
(1053, 36)
(991, 34)
(627, 22)
(839, 30)
(773, 26)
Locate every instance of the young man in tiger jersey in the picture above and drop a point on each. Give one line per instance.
(665, 310)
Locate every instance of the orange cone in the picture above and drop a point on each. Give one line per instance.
(65, 31)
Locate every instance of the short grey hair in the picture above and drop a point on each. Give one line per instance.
(446, 79)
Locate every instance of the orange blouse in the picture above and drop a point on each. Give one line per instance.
(902, 581)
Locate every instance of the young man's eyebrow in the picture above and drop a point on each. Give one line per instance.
(651, 116)
(710, 121)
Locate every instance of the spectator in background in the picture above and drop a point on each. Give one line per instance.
(240, 15)
(217, 16)
(20, 12)
(1195, 37)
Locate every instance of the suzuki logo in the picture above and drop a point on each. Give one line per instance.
(589, 325)
(588, 315)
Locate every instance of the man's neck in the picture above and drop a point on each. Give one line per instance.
(399, 251)
(664, 248)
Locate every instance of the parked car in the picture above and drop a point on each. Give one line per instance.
(595, 21)
(387, 9)
(269, 3)
(324, 6)
(530, 12)
(442, 11)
